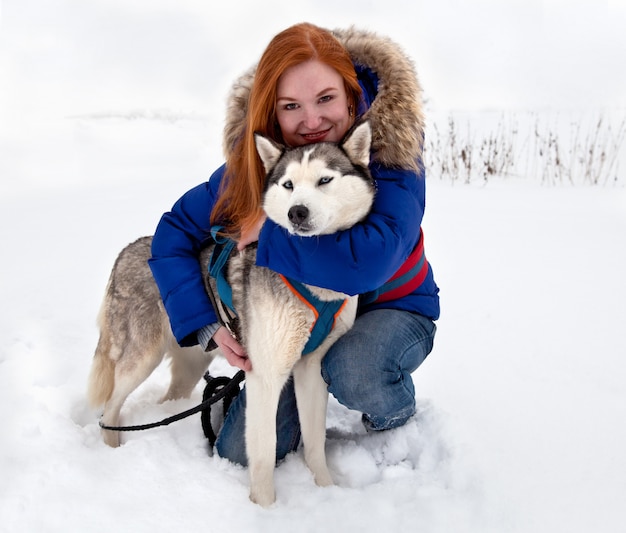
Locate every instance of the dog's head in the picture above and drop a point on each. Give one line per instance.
(319, 188)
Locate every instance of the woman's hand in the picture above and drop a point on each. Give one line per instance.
(251, 235)
(234, 353)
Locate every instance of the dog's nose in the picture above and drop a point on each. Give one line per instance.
(298, 214)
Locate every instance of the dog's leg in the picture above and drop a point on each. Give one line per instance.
(263, 393)
(188, 366)
(131, 370)
(312, 398)
(111, 415)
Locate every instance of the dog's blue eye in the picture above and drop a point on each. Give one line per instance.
(288, 185)
(325, 180)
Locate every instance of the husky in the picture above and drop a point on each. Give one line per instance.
(310, 190)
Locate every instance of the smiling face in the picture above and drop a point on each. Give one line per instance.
(320, 188)
(311, 104)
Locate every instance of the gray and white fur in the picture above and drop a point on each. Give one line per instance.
(311, 190)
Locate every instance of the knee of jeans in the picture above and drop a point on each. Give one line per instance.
(371, 390)
(234, 453)
(346, 386)
(329, 369)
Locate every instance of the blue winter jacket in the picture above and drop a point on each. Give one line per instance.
(353, 261)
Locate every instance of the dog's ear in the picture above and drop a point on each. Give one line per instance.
(268, 150)
(357, 143)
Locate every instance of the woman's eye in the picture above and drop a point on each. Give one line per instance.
(326, 98)
(288, 185)
(325, 180)
(289, 107)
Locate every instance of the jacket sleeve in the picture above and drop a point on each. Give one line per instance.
(178, 239)
(362, 258)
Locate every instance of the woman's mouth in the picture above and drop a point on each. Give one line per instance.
(314, 137)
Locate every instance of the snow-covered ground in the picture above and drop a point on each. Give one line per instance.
(521, 404)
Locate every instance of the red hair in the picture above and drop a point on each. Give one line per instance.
(239, 205)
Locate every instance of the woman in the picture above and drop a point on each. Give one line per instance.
(309, 86)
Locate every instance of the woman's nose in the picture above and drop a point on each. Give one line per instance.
(312, 119)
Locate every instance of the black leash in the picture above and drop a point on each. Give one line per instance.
(226, 390)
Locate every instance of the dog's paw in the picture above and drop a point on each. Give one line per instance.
(264, 498)
(323, 479)
(111, 438)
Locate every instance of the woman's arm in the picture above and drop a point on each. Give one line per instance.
(179, 237)
(359, 259)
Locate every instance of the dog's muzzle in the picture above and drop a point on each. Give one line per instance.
(299, 218)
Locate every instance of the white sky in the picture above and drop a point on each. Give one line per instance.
(65, 56)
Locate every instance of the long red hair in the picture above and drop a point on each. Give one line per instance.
(239, 205)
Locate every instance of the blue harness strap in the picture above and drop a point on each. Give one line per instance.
(219, 257)
(326, 312)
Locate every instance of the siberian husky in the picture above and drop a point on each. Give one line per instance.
(311, 190)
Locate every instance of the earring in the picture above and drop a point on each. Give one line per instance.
(350, 110)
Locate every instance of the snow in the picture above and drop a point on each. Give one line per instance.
(519, 405)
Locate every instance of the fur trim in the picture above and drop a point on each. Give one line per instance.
(236, 110)
(396, 114)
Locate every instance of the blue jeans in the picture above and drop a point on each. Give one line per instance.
(368, 370)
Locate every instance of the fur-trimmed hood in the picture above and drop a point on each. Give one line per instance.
(396, 113)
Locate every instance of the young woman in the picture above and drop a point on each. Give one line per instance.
(311, 85)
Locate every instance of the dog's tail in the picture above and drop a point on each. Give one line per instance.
(102, 375)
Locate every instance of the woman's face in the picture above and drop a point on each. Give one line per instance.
(311, 104)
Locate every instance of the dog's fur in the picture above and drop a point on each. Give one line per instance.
(311, 190)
